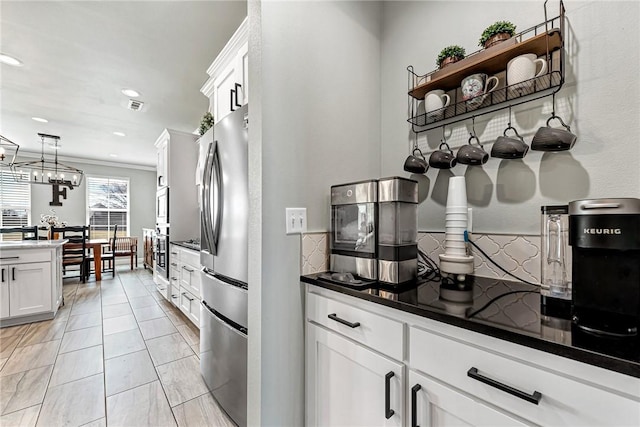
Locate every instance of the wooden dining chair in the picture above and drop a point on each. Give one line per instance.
(107, 258)
(74, 252)
(126, 247)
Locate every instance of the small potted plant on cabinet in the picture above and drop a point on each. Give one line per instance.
(206, 123)
(449, 55)
(496, 33)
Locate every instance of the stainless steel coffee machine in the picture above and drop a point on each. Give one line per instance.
(605, 238)
(354, 229)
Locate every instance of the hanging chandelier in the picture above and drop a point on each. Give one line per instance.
(8, 152)
(46, 171)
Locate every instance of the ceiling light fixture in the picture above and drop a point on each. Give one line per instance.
(46, 171)
(40, 119)
(10, 60)
(8, 152)
(113, 155)
(119, 134)
(131, 92)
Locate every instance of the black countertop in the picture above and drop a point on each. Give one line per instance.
(502, 309)
(187, 244)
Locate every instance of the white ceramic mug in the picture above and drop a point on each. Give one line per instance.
(523, 68)
(435, 100)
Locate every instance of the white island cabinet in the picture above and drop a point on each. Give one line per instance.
(30, 281)
(364, 360)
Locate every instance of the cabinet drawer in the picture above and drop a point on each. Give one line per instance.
(190, 306)
(563, 401)
(192, 258)
(23, 256)
(378, 332)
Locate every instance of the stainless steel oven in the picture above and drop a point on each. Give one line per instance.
(162, 251)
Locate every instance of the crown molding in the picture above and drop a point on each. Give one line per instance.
(228, 53)
(37, 155)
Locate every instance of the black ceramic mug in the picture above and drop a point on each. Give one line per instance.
(509, 147)
(472, 155)
(553, 139)
(442, 159)
(416, 163)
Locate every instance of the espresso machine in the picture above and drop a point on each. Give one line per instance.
(354, 229)
(398, 230)
(604, 235)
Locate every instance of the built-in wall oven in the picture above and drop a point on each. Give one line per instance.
(162, 251)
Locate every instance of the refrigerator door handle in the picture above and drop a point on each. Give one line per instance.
(206, 202)
(217, 198)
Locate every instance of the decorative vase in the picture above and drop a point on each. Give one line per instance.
(495, 39)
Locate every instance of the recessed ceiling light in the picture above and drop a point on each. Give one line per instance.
(40, 119)
(56, 147)
(131, 92)
(119, 134)
(10, 60)
(113, 155)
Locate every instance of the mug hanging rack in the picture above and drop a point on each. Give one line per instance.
(544, 39)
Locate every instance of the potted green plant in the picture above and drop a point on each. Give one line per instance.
(496, 33)
(206, 123)
(449, 55)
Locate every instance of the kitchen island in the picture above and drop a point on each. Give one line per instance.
(31, 280)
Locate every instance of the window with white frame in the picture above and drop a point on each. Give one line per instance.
(108, 206)
(15, 201)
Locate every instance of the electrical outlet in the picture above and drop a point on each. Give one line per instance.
(296, 220)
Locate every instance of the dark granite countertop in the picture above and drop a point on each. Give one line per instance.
(188, 245)
(502, 309)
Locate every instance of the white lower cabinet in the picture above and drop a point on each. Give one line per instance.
(4, 297)
(432, 403)
(29, 288)
(455, 376)
(349, 384)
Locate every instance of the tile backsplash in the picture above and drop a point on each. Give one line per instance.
(518, 254)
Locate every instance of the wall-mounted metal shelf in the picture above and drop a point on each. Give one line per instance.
(544, 40)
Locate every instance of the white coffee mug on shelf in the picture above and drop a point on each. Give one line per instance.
(436, 100)
(523, 68)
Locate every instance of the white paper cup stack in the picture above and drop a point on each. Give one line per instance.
(455, 259)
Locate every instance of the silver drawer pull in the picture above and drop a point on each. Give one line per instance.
(184, 294)
(10, 257)
(188, 269)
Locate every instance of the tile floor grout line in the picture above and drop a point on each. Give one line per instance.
(46, 391)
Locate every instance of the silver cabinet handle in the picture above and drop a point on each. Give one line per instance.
(184, 294)
(10, 257)
(188, 269)
(174, 264)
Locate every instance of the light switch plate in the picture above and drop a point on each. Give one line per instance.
(296, 220)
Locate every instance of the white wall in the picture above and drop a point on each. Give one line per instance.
(142, 192)
(317, 104)
(599, 100)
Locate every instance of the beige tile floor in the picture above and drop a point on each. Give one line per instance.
(117, 354)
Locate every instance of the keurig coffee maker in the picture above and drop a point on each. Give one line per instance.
(604, 235)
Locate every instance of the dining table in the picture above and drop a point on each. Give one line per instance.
(96, 247)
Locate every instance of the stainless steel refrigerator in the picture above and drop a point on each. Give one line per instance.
(224, 210)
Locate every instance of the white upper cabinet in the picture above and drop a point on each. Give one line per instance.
(228, 87)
